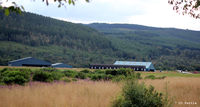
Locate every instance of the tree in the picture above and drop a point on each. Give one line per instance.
(190, 7)
(19, 8)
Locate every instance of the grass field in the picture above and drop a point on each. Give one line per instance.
(169, 74)
(183, 88)
(74, 94)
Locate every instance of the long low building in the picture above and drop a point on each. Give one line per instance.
(29, 61)
(111, 66)
(137, 66)
(33, 62)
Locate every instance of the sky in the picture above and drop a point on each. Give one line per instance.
(156, 13)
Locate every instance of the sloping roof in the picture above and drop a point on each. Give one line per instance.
(56, 64)
(30, 60)
(146, 64)
(61, 65)
(21, 59)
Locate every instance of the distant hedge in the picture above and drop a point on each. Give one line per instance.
(15, 77)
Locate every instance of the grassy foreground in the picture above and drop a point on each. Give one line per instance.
(74, 94)
(184, 88)
(93, 94)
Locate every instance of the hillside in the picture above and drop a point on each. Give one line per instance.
(52, 40)
(168, 48)
(80, 45)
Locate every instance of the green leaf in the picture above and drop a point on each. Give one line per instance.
(7, 12)
(69, 1)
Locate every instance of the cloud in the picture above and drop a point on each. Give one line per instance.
(146, 12)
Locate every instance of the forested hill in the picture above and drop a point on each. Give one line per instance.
(80, 45)
(168, 48)
(52, 40)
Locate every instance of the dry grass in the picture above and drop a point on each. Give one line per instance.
(184, 90)
(75, 94)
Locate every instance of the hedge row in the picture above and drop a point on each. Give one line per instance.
(20, 76)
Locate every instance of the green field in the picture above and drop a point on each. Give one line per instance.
(169, 74)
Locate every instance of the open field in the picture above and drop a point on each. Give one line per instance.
(183, 88)
(94, 94)
(74, 94)
(169, 74)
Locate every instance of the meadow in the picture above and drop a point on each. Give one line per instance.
(184, 89)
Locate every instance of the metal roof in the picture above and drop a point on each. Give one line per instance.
(146, 64)
(30, 60)
(61, 65)
(21, 59)
(56, 64)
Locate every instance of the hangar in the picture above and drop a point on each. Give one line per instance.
(29, 61)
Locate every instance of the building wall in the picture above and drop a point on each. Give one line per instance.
(136, 68)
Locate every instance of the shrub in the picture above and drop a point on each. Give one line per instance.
(99, 72)
(96, 77)
(137, 95)
(138, 76)
(15, 77)
(118, 78)
(124, 71)
(121, 71)
(70, 73)
(111, 72)
(81, 75)
(107, 77)
(66, 79)
(57, 75)
(43, 76)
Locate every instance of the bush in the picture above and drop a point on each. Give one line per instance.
(70, 73)
(138, 76)
(66, 79)
(118, 78)
(81, 75)
(107, 77)
(137, 95)
(111, 72)
(43, 76)
(97, 77)
(121, 71)
(124, 71)
(57, 75)
(15, 77)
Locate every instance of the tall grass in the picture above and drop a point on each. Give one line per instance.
(184, 90)
(74, 94)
